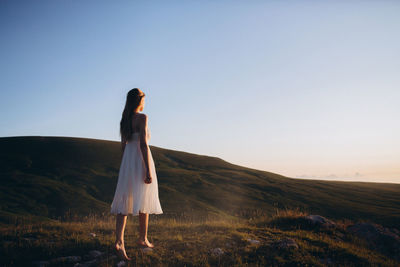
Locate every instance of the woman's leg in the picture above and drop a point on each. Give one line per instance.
(143, 227)
(119, 234)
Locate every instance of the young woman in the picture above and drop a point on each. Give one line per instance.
(137, 187)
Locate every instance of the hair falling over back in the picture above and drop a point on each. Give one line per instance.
(133, 99)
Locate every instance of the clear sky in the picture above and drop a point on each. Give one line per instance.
(307, 89)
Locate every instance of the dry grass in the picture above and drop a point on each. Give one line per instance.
(187, 242)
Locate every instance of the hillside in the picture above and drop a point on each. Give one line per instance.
(54, 177)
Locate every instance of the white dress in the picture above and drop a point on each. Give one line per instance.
(132, 193)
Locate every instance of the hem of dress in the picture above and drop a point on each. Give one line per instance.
(135, 214)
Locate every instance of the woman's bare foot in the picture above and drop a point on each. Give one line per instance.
(120, 250)
(145, 243)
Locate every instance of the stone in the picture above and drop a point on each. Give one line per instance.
(229, 244)
(320, 221)
(121, 263)
(217, 251)
(70, 259)
(286, 243)
(326, 261)
(91, 263)
(253, 241)
(145, 250)
(40, 263)
(93, 254)
(378, 237)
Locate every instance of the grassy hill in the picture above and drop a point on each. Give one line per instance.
(56, 192)
(56, 177)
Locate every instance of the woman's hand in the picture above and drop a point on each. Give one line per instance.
(148, 178)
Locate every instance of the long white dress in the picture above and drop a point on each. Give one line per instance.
(132, 193)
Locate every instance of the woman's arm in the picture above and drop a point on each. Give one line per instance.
(144, 146)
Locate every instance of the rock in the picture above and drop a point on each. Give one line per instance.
(286, 243)
(70, 259)
(145, 250)
(253, 241)
(340, 235)
(394, 230)
(320, 221)
(40, 263)
(378, 237)
(121, 263)
(229, 244)
(326, 261)
(93, 258)
(217, 251)
(93, 254)
(91, 263)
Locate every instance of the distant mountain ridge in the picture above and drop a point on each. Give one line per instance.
(49, 176)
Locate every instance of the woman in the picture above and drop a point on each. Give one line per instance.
(137, 187)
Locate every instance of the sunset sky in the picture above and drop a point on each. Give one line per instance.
(306, 89)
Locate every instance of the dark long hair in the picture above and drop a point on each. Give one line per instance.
(133, 99)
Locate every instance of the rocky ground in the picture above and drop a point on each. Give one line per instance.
(292, 240)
